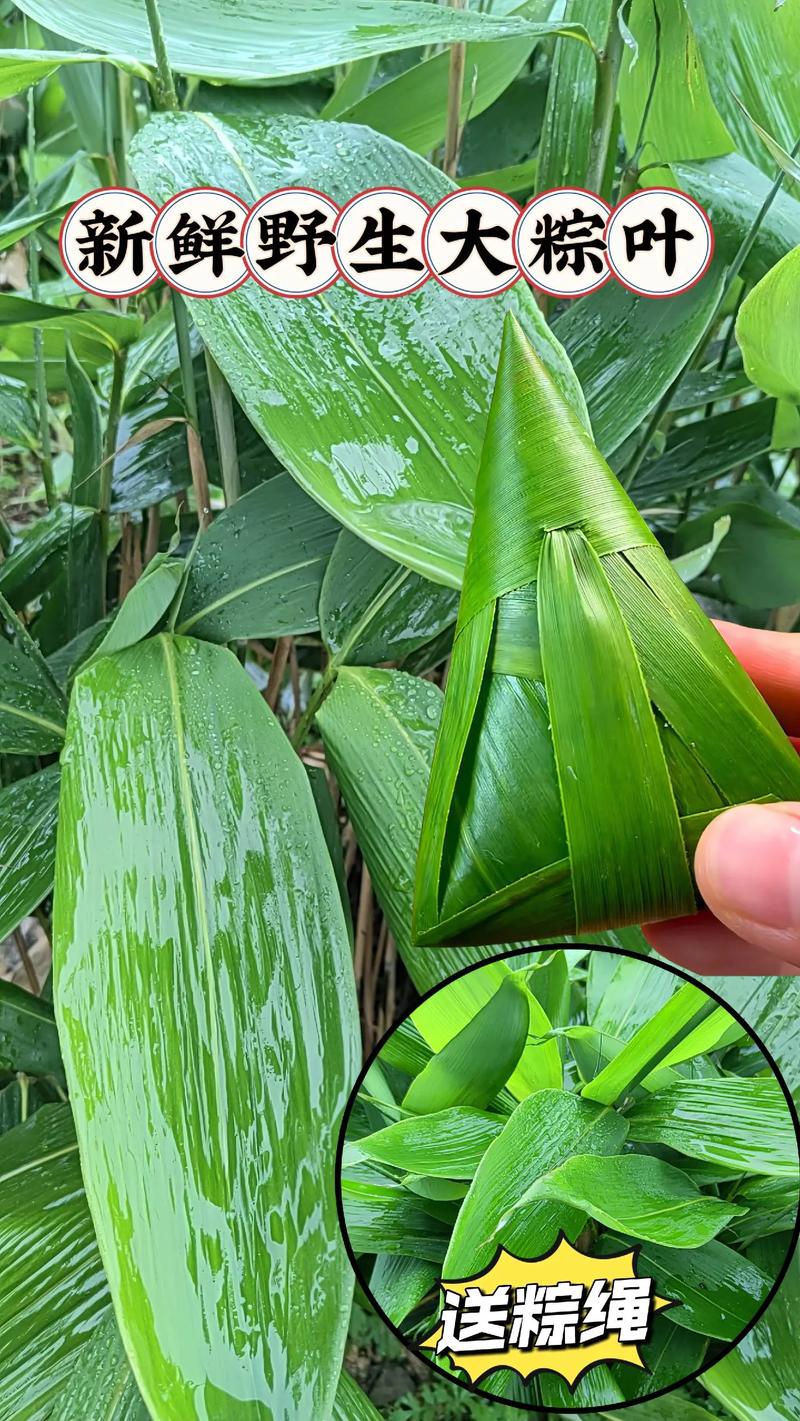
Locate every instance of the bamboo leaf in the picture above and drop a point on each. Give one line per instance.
(767, 330)
(759, 1378)
(227, 1012)
(143, 608)
(28, 1036)
(242, 44)
(743, 1124)
(351, 1403)
(52, 1289)
(412, 107)
(732, 191)
(379, 728)
(651, 1045)
(719, 1290)
(399, 1284)
(28, 818)
(18, 413)
(32, 706)
(385, 1218)
(567, 126)
(372, 609)
(441, 1019)
(636, 1195)
(390, 450)
(87, 433)
(543, 1131)
(448, 1144)
(757, 563)
(102, 1387)
(475, 1063)
(259, 568)
(701, 451)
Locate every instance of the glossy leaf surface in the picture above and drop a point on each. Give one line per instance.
(744, 1124)
(204, 996)
(544, 1130)
(102, 1387)
(448, 1143)
(264, 40)
(32, 705)
(768, 330)
(258, 569)
(473, 1065)
(759, 1381)
(28, 818)
(637, 1195)
(52, 1288)
(28, 1036)
(389, 446)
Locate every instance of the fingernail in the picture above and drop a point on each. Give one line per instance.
(748, 865)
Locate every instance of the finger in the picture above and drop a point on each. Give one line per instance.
(747, 866)
(772, 660)
(704, 945)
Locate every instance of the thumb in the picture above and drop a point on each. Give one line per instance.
(748, 870)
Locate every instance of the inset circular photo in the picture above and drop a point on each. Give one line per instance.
(568, 1179)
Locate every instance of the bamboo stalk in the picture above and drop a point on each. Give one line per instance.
(38, 335)
(609, 62)
(224, 428)
(280, 657)
(153, 535)
(455, 93)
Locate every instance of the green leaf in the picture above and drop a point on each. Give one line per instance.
(258, 569)
(412, 107)
(705, 449)
(565, 143)
(102, 1387)
(28, 818)
(759, 1379)
(379, 728)
(351, 1404)
(28, 1036)
(646, 344)
(32, 706)
(385, 1218)
(692, 565)
(475, 1063)
(770, 1006)
(399, 1284)
(664, 97)
(568, 600)
(52, 1289)
(749, 52)
(389, 446)
(21, 68)
(87, 434)
(443, 1016)
(757, 562)
(448, 1144)
(743, 1124)
(144, 606)
(768, 330)
(719, 1290)
(671, 1355)
(546, 1129)
(636, 1195)
(588, 658)
(372, 609)
(622, 993)
(205, 1005)
(732, 191)
(18, 413)
(56, 540)
(244, 44)
(650, 1045)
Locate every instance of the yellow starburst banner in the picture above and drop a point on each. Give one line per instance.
(563, 1313)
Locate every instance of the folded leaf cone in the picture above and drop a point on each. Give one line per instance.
(594, 720)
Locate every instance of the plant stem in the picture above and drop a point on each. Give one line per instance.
(735, 267)
(455, 91)
(166, 93)
(609, 62)
(107, 466)
(38, 336)
(225, 429)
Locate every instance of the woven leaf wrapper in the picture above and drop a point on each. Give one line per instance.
(594, 720)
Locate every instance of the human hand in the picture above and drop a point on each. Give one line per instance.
(747, 863)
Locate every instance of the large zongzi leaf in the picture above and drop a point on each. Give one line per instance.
(594, 721)
(205, 1005)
